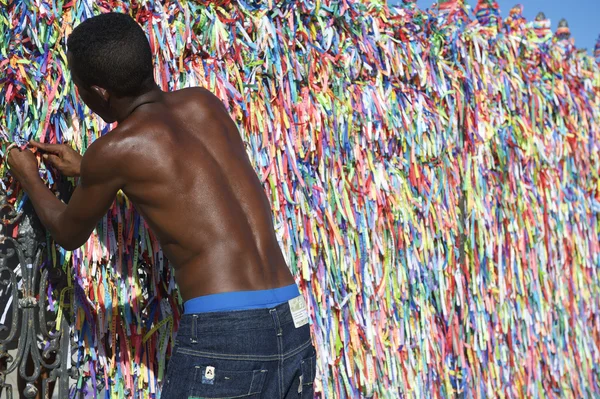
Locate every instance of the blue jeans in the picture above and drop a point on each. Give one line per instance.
(257, 353)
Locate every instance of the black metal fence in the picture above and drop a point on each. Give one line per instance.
(42, 360)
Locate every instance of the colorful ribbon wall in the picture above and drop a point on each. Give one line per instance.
(434, 182)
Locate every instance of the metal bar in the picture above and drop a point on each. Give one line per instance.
(24, 287)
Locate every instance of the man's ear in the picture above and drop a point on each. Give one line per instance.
(101, 92)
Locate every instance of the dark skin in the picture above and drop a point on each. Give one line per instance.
(178, 156)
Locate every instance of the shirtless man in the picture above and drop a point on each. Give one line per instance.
(179, 158)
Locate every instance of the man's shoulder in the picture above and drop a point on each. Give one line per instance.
(115, 152)
(100, 152)
(111, 140)
(194, 93)
(98, 160)
(113, 145)
(197, 96)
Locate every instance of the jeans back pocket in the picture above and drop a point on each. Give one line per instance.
(214, 382)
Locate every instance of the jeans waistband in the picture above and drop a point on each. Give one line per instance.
(241, 300)
(190, 325)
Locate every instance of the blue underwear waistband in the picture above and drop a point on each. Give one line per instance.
(240, 300)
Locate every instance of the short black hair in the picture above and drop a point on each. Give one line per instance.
(112, 51)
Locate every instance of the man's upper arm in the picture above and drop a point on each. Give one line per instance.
(99, 183)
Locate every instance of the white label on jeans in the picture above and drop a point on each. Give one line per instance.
(298, 309)
(209, 373)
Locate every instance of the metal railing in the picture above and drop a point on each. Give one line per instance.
(42, 348)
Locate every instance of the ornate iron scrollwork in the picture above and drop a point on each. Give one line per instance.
(24, 280)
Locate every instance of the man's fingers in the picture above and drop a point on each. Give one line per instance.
(10, 151)
(52, 159)
(53, 148)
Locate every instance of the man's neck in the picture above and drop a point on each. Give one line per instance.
(124, 107)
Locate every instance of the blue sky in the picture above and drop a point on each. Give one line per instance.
(583, 15)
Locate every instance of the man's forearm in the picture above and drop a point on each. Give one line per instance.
(70, 225)
(48, 208)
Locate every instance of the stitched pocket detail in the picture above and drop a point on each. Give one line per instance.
(215, 382)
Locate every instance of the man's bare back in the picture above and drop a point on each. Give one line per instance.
(184, 166)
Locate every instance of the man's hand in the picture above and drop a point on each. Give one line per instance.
(62, 157)
(23, 165)
(71, 225)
